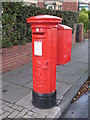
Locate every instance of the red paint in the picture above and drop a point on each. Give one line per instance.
(64, 41)
(44, 67)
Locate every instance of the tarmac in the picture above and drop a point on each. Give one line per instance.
(16, 101)
(78, 109)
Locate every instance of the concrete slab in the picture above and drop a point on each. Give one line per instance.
(16, 77)
(26, 101)
(74, 65)
(62, 88)
(21, 75)
(83, 59)
(5, 83)
(72, 74)
(13, 93)
(29, 85)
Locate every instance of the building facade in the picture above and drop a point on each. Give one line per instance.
(53, 4)
(84, 4)
(70, 5)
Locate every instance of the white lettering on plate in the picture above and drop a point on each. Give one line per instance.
(37, 48)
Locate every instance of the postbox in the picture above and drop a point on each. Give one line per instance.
(64, 43)
(44, 49)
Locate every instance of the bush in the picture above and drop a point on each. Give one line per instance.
(16, 31)
(83, 18)
(84, 11)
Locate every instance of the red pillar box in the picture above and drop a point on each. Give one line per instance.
(44, 42)
(64, 43)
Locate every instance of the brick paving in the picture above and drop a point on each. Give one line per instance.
(15, 111)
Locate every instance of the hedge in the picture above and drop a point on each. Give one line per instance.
(15, 29)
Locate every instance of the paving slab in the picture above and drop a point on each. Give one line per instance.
(26, 101)
(5, 83)
(0, 81)
(72, 74)
(27, 116)
(62, 88)
(0, 111)
(29, 85)
(17, 107)
(5, 114)
(22, 113)
(13, 114)
(73, 64)
(13, 93)
(16, 77)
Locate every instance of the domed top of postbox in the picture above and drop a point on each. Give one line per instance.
(44, 19)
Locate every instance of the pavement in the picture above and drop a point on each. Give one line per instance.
(16, 101)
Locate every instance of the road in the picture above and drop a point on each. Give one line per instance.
(78, 109)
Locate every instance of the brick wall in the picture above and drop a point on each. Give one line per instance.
(40, 4)
(15, 56)
(70, 6)
(81, 33)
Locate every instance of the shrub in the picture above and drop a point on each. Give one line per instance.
(84, 11)
(16, 31)
(83, 18)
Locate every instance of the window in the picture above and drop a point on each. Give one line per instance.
(50, 7)
(59, 7)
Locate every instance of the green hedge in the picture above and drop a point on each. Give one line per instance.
(84, 18)
(15, 29)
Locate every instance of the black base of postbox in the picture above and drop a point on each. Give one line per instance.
(44, 101)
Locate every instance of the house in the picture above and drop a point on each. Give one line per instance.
(84, 4)
(53, 4)
(30, 2)
(76, 5)
(70, 5)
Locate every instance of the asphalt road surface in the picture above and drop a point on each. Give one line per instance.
(79, 109)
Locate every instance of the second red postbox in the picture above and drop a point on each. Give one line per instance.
(64, 43)
(44, 47)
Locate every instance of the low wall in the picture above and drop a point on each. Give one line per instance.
(79, 32)
(15, 56)
(74, 35)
